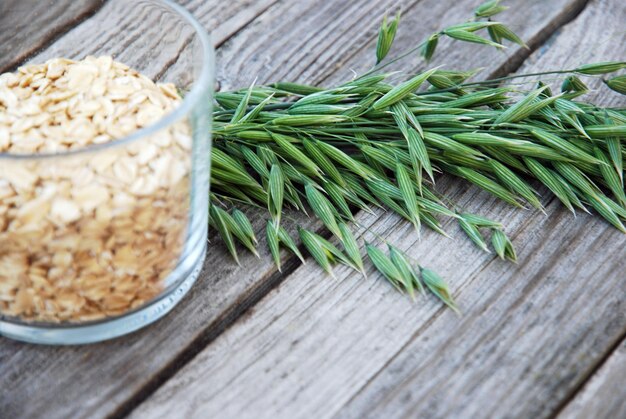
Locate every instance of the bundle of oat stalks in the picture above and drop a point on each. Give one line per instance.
(371, 143)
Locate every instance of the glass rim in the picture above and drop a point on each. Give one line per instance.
(189, 100)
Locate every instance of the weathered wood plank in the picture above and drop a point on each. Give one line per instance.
(603, 395)
(28, 26)
(50, 381)
(225, 19)
(129, 366)
(61, 382)
(355, 348)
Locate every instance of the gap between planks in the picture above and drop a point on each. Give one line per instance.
(279, 275)
(203, 340)
(571, 16)
(137, 377)
(570, 407)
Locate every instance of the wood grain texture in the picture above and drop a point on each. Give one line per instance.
(354, 348)
(26, 26)
(59, 382)
(604, 395)
(332, 50)
(62, 382)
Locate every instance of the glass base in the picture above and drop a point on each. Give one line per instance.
(79, 334)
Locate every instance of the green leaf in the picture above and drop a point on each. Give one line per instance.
(233, 227)
(220, 159)
(501, 31)
(410, 117)
(605, 211)
(577, 178)
(304, 120)
(346, 161)
(254, 113)
(298, 89)
(573, 84)
(615, 151)
(323, 162)
(356, 187)
(604, 131)
(336, 195)
(480, 221)
(485, 183)
(445, 143)
(255, 162)
(433, 224)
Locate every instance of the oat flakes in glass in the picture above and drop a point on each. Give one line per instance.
(104, 175)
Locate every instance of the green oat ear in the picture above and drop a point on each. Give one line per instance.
(322, 208)
(617, 84)
(407, 189)
(402, 90)
(600, 68)
(244, 224)
(438, 287)
(428, 50)
(384, 265)
(386, 35)
(499, 32)
(503, 245)
(489, 9)
(410, 276)
(276, 191)
(471, 230)
(351, 247)
(286, 240)
(224, 232)
(467, 36)
(315, 248)
(272, 243)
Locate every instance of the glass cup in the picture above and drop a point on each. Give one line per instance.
(100, 240)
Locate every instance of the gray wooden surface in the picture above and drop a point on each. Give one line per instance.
(539, 339)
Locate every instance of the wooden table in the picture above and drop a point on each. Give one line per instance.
(544, 338)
